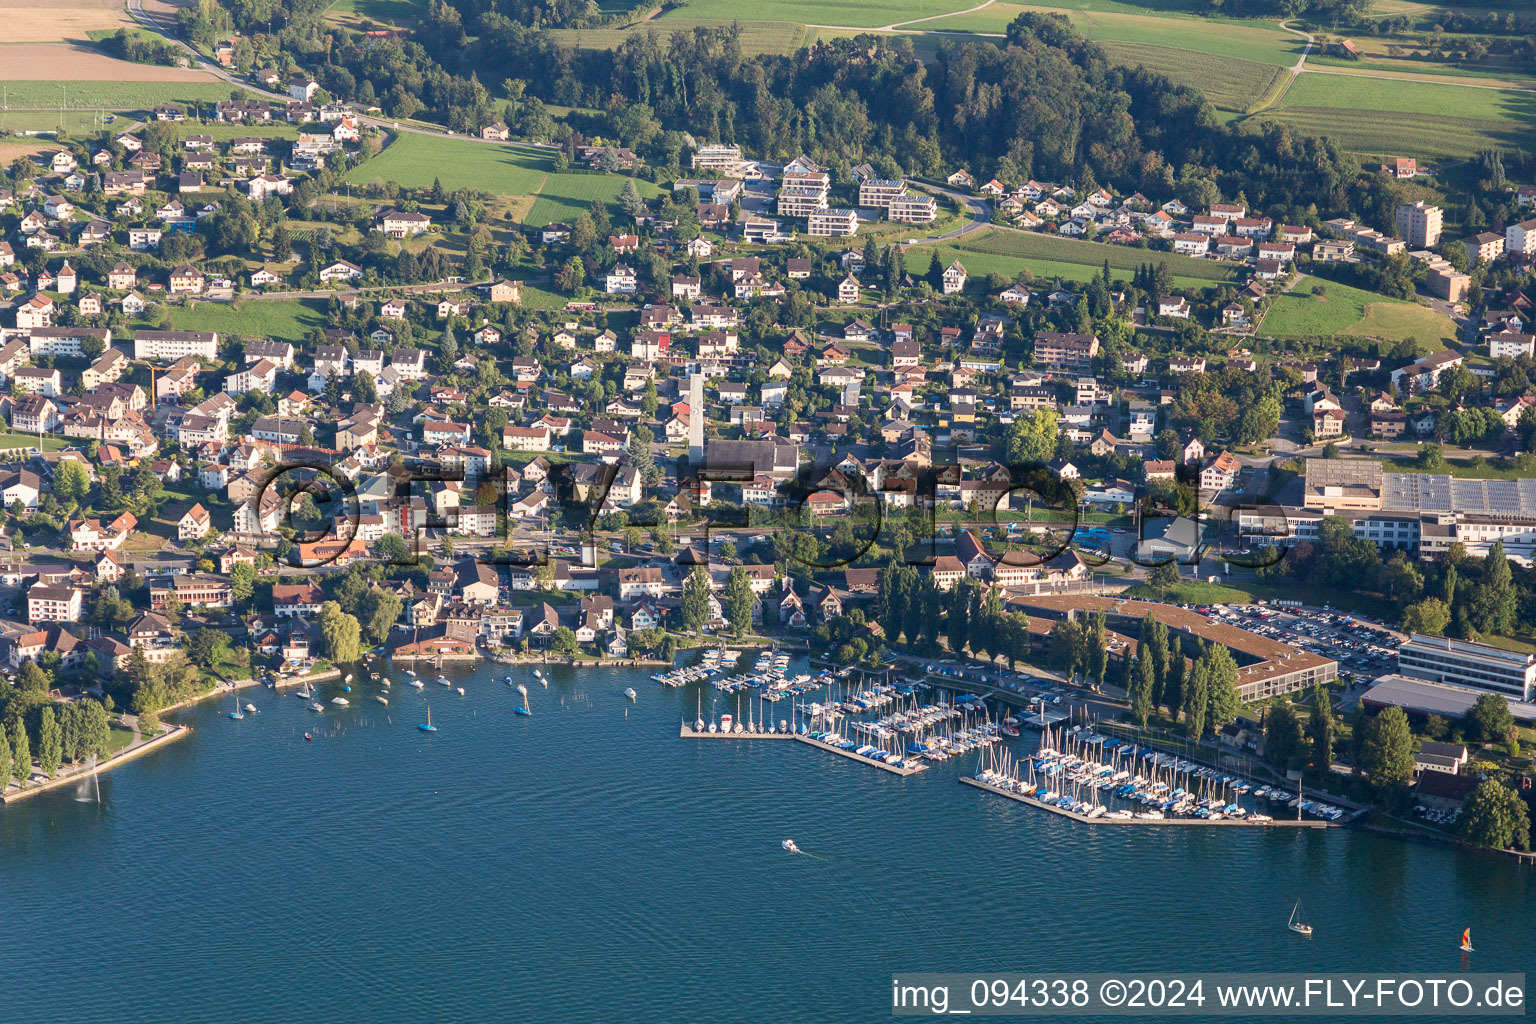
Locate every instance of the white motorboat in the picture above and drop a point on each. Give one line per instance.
(251, 708)
(460, 690)
(317, 706)
(789, 844)
(382, 700)
(630, 693)
(418, 684)
(340, 702)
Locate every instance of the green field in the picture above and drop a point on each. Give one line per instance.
(415, 160)
(1426, 119)
(979, 264)
(779, 37)
(858, 13)
(1228, 82)
(113, 95)
(566, 196)
(385, 12)
(281, 319)
(48, 444)
(1346, 310)
(1038, 247)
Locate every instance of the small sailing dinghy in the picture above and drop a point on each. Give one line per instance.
(789, 844)
(1295, 925)
(1466, 941)
(524, 709)
(427, 726)
(308, 738)
(237, 714)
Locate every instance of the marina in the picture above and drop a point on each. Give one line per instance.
(644, 835)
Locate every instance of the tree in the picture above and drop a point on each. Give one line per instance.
(1284, 744)
(738, 600)
(5, 762)
(1221, 678)
(563, 641)
(1386, 755)
(1321, 729)
(1429, 616)
(340, 634)
(629, 199)
(1141, 691)
(696, 599)
(242, 582)
(1197, 697)
(1490, 718)
(1494, 816)
(1165, 575)
(377, 613)
(50, 743)
(207, 647)
(95, 729)
(71, 482)
(1032, 438)
(21, 752)
(31, 678)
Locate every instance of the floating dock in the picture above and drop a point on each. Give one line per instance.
(688, 732)
(1106, 820)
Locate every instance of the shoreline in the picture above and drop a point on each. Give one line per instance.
(81, 773)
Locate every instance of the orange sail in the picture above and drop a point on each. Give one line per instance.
(1466, 938)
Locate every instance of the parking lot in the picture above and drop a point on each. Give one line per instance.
(1363, 651)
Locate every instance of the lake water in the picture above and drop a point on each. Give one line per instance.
(588, 864)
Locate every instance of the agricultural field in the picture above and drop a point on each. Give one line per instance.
(777, 37)
(122, 87)
(856, 13)
(1330, 105)
(1342, 309)
(1056, 249)
(281, 319)
(1229, 83)
(512, 171)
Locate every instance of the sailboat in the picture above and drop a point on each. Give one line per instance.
(524, 710)
(1295, 925)
(1466, 940)
(427, 726)
(789, 844)
(237, 714)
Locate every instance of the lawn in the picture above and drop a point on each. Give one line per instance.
(385, 12)
(414, 160)
(118, 737)
(1007, 252)
(1488, 469)
(564, 197)
(134, 96)
(512, 171)
(280, 319)
(778, 37)
(48, 444)
(1342, 309)
(1245, 592)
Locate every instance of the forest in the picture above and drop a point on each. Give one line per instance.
(1046, 104)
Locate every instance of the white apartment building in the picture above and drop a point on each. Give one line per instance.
(1470, 665)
